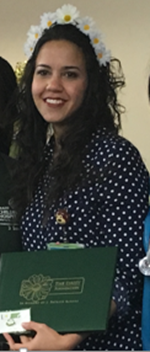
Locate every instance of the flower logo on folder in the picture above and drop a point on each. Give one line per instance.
(36, 287)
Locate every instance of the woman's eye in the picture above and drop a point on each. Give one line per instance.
(42, 72)
(71, 74)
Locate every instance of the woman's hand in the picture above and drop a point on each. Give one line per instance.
(46, 339)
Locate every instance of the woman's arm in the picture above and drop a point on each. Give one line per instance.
(126, 186)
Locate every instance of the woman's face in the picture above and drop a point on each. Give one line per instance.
(59, 80)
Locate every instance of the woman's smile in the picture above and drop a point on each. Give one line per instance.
(54, 103)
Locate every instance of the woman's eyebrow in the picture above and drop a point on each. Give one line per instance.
(71, 68)
(64, 68)
(43, 65)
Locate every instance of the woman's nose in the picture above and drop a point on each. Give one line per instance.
(54, 83)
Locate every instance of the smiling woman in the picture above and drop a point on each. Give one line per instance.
(59, 81)
(77, 182)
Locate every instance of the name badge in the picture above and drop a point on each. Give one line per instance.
(58, 245)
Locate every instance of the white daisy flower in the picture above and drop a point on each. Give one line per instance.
(47, 19)
(86, 25)
(67, 14)
(34, 32)
(29, 47)
(102, 54)
(96, 38)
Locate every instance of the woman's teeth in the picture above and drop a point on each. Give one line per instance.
(54, 101)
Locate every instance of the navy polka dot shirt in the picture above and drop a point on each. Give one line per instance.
(107, 212)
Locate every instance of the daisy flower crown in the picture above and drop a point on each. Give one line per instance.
(68, 14)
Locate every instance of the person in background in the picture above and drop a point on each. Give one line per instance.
(146, 271)
(8, 86)
(72, 162)
(10, 239)
(8, 228)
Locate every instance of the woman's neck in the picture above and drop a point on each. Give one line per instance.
(59, 132)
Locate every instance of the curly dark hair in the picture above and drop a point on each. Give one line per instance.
(100, 108)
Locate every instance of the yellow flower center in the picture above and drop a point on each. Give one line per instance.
(67, 18)
(95, 40)
(36, 35)
(86, 27)
(49, 23)
(100, 55)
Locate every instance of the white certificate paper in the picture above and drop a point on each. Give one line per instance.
(11, 320)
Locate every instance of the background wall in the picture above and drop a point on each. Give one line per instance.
(126, 25)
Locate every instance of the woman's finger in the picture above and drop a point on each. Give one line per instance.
(25, 339)
(8, 338)
(32, 325)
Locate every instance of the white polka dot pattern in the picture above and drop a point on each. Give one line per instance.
(108, 210)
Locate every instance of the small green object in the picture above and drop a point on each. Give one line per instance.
(58, 245)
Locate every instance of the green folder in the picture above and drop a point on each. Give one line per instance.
(69, 290)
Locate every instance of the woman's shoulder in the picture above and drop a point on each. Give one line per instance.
(110, 149)
(113, 144)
